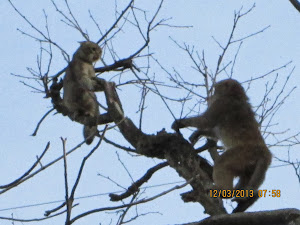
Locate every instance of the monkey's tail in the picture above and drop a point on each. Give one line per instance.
(89, 133)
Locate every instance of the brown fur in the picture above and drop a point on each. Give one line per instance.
(80, 83)
(230, 119)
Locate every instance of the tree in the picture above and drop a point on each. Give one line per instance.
(136, 69)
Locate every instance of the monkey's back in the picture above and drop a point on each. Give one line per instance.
(236, 123)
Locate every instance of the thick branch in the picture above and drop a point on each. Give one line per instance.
(275, 217)
(296, 4)
(179, 153)
(118, 65)
(183, 158)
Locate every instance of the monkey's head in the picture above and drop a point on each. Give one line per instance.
(230, 87)
(88, 51)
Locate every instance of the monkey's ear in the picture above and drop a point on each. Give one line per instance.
(81, 42)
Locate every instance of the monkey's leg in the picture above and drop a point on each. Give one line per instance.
(251, 182)
(222, 175)
(243, 181)
(89, 133)
(227, 166)
(196, 135)
(255, 175)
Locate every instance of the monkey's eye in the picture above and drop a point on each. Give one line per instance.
(94, 49)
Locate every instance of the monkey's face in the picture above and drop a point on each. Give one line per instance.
(229, 87)
(89, 51)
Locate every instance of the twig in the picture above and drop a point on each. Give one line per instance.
(69, 201)
(32, 220)
(131, 204)
(40, 122)
(22, 178)
(116, 22)
(136, 185)
(40, 170)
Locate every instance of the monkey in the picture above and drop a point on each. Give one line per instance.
(230, 118)
(79, 84)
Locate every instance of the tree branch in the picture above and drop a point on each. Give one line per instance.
(274, 217)
(179, 153)
(134, 188)
(296, 4)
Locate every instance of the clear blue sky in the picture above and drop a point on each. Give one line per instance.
(21, 109)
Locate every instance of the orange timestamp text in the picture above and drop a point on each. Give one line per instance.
(275, 193)
(213, 193)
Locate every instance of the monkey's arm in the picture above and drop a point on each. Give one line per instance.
(99, 84)
(90, 83)
(204, 122)
(197, 134)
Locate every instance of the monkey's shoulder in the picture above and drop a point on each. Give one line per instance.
(224, 107)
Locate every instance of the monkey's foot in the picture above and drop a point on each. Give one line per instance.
(244, 203)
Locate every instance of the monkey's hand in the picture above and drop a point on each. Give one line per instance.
(98, 84)
(177, 124)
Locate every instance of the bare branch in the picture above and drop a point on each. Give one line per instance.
(31, 220)
(46, 38)
(116, 22)
(29, 176)
(40, 122)
(296, 4)
(136, 185)
(69, 201)
(25, 175)
(130, 204)
(281, 216)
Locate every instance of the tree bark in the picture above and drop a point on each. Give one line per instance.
(175, 149)
(296, 4)
(274, 217)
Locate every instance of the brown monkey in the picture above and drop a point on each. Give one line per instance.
(230, 118)
(80, 83)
